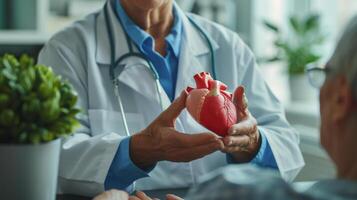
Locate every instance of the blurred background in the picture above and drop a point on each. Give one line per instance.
(286, 36)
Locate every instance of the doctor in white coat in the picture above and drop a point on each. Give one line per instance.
(165, 148)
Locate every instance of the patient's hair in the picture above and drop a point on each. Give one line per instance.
(344, 59)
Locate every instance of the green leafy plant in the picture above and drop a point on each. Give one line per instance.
(299, 50)
(36, 105)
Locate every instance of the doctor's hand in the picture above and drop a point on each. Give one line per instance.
(142, 196)
(160, 141)
(112, 195)
(243, 141)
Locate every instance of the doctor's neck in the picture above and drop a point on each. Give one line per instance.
(153, 16)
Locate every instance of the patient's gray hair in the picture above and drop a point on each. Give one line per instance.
(344, 59)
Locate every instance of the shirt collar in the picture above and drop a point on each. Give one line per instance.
(140, 37)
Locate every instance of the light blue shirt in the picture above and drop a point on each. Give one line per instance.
(123, 172)
(167, 65)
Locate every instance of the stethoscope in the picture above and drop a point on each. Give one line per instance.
(114, 64)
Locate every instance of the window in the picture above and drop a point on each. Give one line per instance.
(334, 14)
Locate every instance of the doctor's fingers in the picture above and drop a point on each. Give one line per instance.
(192, 140)
(169, 115)
(245, 127)
(237, 140)
(139, 195)
(238, 144)
(143, 196)
(242, 143)
(112, 195)
(137, 198)
(241, 102)
(134, 198)
(235, 149)
(173, 197)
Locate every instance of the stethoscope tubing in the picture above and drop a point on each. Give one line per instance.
(115, 63)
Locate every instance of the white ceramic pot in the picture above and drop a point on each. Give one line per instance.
(29, 171)
(301, 90)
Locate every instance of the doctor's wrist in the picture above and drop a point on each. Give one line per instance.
(143, 151)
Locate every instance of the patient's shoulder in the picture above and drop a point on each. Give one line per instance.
(243, 182)
(333, 189)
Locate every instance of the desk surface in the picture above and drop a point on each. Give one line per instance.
(161, 194)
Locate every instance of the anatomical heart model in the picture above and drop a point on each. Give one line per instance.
(212, 106)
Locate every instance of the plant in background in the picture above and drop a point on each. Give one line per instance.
(36, 105)
(299, 50)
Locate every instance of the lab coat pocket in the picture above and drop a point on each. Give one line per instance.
(107, 121)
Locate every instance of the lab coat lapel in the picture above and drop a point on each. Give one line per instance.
(103, 50)
(139, 77)
(194, 51)
(135, 72)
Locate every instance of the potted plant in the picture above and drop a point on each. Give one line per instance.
(298, 51)
(37, 108)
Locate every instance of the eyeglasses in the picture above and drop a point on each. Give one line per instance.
(317, 75)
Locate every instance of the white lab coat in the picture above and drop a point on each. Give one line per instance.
(81, 54)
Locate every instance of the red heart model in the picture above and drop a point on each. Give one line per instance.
(211, 105)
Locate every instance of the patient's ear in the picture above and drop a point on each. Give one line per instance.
(343, 101)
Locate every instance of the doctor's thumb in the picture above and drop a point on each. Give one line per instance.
(174, 110)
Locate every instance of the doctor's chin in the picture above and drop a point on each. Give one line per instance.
(178, 99)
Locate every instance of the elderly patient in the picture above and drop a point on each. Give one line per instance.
(338, 107)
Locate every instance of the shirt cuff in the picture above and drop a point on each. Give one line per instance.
(123, 172)
(264, 157)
